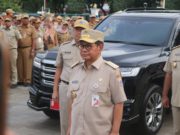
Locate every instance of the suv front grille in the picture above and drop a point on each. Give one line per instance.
(36, 77)
(48, 72)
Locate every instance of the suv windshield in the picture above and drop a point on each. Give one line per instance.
(136, 30)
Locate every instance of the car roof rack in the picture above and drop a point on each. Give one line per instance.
(151, 10)
(143, 9)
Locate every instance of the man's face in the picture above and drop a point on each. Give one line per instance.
(7, 23)
(25, 21)
(36, 25)
(90, 52)
(77, 33)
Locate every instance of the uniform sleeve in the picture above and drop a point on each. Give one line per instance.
(34, 35)
(18, 34)
(59, 58)
(116, 87)
(168, 65)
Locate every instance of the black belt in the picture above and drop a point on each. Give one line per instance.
(22, 47)
(65, 82)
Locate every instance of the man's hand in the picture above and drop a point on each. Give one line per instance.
(165, 101)
(55, 95)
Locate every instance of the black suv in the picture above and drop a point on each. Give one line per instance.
(139, 42)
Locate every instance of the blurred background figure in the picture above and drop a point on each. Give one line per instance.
(63, 33)
(39, 40)
(92, 21)
(50, 35)
(4, 81)
(9, 13)
(13, 36)
(26, 51)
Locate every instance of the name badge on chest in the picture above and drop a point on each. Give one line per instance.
(95, 101)
(174, 64)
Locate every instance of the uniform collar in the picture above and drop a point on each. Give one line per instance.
(97, 64)
(8, 28)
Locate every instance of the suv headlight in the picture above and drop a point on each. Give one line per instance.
(37, 62)
(130, 71)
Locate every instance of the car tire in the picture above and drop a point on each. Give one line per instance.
(51, 114)
(152, 113)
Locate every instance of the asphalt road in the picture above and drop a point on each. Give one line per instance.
(25, 121)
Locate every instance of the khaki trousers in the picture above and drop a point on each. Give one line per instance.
(24, 65)
(13, 66)
(176, 120)
(63, 100)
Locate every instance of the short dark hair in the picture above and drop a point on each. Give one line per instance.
(98, 42)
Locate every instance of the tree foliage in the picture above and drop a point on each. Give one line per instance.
(14, 4)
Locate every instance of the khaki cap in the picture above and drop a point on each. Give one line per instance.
(32, 18)
(7, 19)
(9, 10)
(24, 16)
(67, 18)
(92, 36)
(65, 22)
(81, 23)
(18, 17)
(74, 18)
(37, 21)
(59, 18)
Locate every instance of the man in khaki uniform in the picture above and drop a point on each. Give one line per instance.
(39, 39)
(92, 21)
(26, 50)
(67, 55)
(13, 36)
(63, 34)
(96, 90)
(172, 69)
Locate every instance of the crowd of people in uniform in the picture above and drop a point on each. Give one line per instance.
(28, 35)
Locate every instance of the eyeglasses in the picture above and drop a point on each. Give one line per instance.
(85, 45)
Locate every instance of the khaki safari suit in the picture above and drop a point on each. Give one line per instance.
(24, 50)
(173, 66)
(68, 54)
(95, 91)
(13, 35)
(63, 37)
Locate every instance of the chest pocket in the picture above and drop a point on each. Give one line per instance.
(102, 90)
(11, 35)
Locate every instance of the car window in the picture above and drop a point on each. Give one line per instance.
(141, 30)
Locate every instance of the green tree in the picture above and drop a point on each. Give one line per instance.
(13, 4)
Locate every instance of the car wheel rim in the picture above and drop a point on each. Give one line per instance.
(154, 112)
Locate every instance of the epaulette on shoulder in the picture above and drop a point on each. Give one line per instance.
(65, 43)
(176, 47)
(109, 63)
(75, 64)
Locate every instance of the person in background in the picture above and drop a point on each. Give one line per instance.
(9, 13)
(67, 55)
(63, 33)
(50, 35)
(26, 51)
(92, 21)
(39, 39)
(13, 36)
